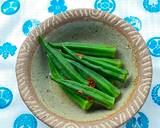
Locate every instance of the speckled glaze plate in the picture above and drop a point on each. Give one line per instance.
(48, 102)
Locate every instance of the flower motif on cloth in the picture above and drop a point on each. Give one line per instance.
(152, 6)
(154, 46)
(140, 120)
(6, 97)
(155, 94)
(57, 6)
(134, 21)
(29, 25)
(10, 7)
(7, 49)
(25, 121)
(105, 5)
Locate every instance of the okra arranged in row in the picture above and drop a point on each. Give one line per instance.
(105, 72)
(101, 83)
(84, 71)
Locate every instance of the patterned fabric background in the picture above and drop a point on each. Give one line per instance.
(19, 17)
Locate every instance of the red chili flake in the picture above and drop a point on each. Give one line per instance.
(91, 83)
(80, 92)
(90, 98)
(79, 55)
(90, 80)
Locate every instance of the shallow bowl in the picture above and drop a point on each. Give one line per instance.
(48, 102)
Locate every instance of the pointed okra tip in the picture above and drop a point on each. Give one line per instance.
(40, 39)
(87, 105)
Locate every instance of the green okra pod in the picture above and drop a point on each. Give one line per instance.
(104, 72)
(87, 48)
(101, 83)
(79, 100)
(115, 62)
(98, 62)
(98, 96)
(106, 66)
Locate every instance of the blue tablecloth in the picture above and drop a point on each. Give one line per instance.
(19, 17)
